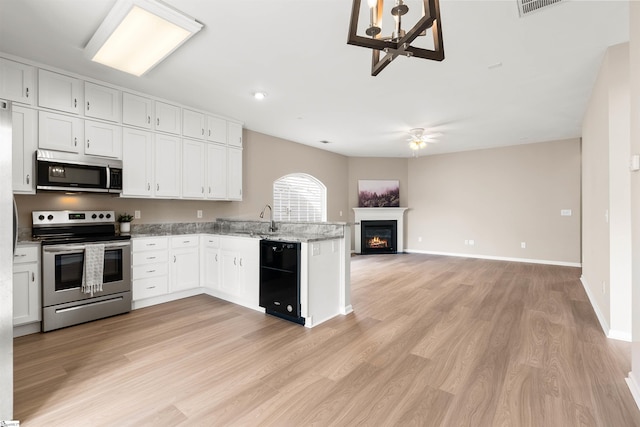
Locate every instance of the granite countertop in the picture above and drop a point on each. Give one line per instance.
(269, 236)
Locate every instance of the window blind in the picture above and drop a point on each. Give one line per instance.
(299, 198)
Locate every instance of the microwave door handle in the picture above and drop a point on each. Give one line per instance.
(108, 177)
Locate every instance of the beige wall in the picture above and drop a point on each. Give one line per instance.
(498, 198)
(265, 159)
(376, 168)
(606, 227)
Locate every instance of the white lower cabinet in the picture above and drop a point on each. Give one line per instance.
(240, 270)
(210, 262)
(150, 269)
(184, 263)
(26, 285)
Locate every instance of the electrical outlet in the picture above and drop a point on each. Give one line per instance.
(136, 214)
(340, 213)
(315, 249)
(523, 245)
(566, 212)
(472, 242)
(199, 213)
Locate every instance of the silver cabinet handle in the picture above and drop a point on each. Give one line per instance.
(234, 261)
(202, 190)
(20, 255)
(88, 143)
(151, 257)
(75, 102)
(209, 190)
(157, 187)
(151, 244)
(148, 119)
(75, 141)
(26, 92)
(28, 179)
(240, 262)
(151, 271)
(33, 276)
(148, 186)
(202, 131)
(87, 105)
(174, 258)
(151, 287)
(216, 257)
(209, 132)
(186, 241)
(158, 121)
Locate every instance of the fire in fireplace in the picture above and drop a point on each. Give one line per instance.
(379, 237)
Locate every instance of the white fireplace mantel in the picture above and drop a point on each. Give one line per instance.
(379, 214)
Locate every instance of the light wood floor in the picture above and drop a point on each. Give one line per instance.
(433, 341)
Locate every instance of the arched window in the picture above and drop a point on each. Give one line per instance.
(299, 197)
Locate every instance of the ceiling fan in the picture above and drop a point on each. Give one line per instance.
(418, 138)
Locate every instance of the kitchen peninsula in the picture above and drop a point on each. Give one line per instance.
(221, 259)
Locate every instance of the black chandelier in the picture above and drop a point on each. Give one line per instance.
(399, 41)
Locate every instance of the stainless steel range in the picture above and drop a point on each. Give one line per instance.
(65, 235)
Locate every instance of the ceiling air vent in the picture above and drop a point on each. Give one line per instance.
(526, 7)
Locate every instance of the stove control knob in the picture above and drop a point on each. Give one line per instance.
(94, 216)
(41, 217)
(108, 216)
(101, 216)
(50, 217)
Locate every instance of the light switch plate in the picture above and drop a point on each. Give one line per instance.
(566, 212)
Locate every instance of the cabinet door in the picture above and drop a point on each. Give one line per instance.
(192, 124)
(59, 132)
(101, 102)
(166, 166)
(216, 171)
(137, 161)
(185, 269)
(17, 81)
(234, 174)
(103, 139)
(210, 260)
(137, 111)
(249, 271)
(167, 118)
(25, 144)
(193, 161)
(59, 92)
(26, 293)
(229, 271)
(216, 130)
(234, 134)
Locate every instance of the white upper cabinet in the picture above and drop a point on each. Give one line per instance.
(60, 132)
(101, 102)
(17, 81)
(25, 143)
(216, 130)
(137, 160)
(234, 134)
(137, 111)
(167, 118)
(167, 161)
(59, 92)
(103, 139)
(193, 163)
(192, 124)
(216, 171)
(234, 174)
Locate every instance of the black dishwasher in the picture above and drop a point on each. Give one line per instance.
(280, 279)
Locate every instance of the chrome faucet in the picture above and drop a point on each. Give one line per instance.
(272, 224)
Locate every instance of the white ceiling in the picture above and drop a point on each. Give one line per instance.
(320, 88)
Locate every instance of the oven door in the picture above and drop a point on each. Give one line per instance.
(63, 266)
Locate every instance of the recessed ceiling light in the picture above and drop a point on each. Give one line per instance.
(259, 95)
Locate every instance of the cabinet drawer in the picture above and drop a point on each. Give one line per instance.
(211, 241)
(147, 288)
(187, 241)
(26, 254)
(150, 244)
(150, 257)
(151, 270)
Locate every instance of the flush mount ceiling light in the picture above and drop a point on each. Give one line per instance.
(399, 41)
(259, 95)
(137, 34)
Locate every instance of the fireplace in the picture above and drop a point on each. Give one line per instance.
(379, 237)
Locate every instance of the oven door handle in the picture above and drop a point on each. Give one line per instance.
(82, 248)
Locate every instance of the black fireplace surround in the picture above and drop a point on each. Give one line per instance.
(379, 237)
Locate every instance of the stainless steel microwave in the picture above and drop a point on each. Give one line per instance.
(73, 172)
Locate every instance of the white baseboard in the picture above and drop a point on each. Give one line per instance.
(634, 387)
(346, 310)
(604, 324)
(498, 258)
